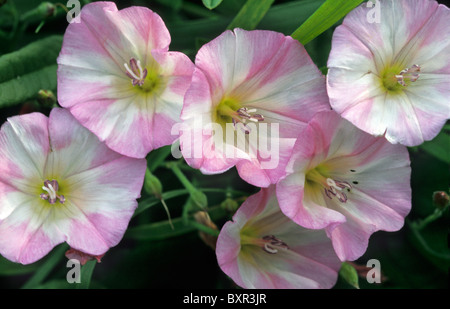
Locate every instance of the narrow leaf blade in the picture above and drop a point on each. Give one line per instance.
(325, 17)
(251, 14)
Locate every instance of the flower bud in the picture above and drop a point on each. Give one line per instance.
(203, 218)
(46, 9)
(152, 185)
(441, 199)
(46, 98)
(229, 205)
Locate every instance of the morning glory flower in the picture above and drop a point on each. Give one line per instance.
(59, 183)
(118, 78)
(392, 78)
(251, 93)
(262, 248)
(347, 182)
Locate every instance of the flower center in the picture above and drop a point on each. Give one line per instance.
(394, 79)
(51, 188)
(229, 111)
(142, 78)
(269, 243)
(273, 244)
(332, 187)
(408, 75)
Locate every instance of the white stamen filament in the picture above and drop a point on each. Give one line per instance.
(131, 72)
(269, 249)
(51, 191)
(333, 184)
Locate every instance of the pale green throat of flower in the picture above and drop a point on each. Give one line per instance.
(320, 177)
(229, 110)
(268, 243)
(144, 79)
(394, 78)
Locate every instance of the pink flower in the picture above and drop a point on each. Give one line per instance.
(263, 249)
(118, 78)
(392, 78)
(59, 183)
(251, 93)
(347, 182)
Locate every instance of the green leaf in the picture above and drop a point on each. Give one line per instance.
(211, 4)
(432, 245)
(439, 147)
(86, 274)
(156, 157)
(163, 230)
(325, 17)
(349, 274)
(26, 71)
(250, 14)
(8, 268)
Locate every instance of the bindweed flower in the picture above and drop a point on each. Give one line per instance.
(118, 78)
(59, 183)
(251, 92)
(262, 248)
(347, 182)
(392, 78)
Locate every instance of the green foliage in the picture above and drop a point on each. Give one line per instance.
(349, 274)
(24, 72)
(325, 17)
(251, 14)
(212, 4)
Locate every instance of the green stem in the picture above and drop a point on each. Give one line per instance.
(204, 228)
(423, 223)
(182, 178)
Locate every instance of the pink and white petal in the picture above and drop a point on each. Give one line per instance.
(125, 125)
(119, 180)
(228, 247)
(74, 148)
(143, 28)
(350, 239)
(423, 21)
(95, 45)
(429, 99)
(103, 200)
(304, 206)
(402, 123)
(286, 83)
(216, 59)
(197, 100)
(24, 145)
(30, 236)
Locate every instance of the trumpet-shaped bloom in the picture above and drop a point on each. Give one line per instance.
(118, 78)
(391, 77)
(251, 93)
(262, 248)
(346, 181)
(59, 183)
